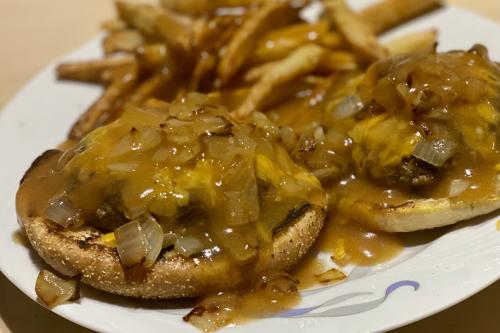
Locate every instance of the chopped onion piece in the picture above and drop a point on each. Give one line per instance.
(288, 137)
(214, 125)
(324, 174)
(348, 107)
(141, 117)
(147, 138)
(173, 123)
(457, 187)
(131, 243)
(154, 236)
(331, 275)
(291, 186)
(435, 152)
(122, 167)
(62, 212)
(240, 242)
(241, 193)
(261, 121)
(138, 140)
(319, 134)
(53, 290)
(139, 242)
(180, 131)
(188, 246)
(123, 146)
(278, 281)
(169, 239)
(162, 153)
(236, 213)
(186, 152)
(68, 155)
(215, 311)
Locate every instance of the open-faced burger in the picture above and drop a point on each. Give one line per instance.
(171, 200)
(413, 143)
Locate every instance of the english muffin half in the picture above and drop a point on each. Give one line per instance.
(171, 201)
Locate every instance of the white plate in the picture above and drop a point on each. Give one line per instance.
(426, 278)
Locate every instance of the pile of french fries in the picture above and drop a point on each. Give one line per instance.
(247, 54)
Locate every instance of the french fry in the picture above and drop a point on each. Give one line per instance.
(203, 69)
(153, 56)
(114, 25)
(196, 7)
(140, 17)
(337, 61)
(107, 105)
(301, 62)
(387, 14)
(281, 98)
(175, 29)
(215, 33)
(285, 100)
(243, 41)
(331, 61)
(331, 40)
(201, 45)
(122, 41)
(280, 42)
(255, 73)
(92, 71)
(290, 32)
(421, 42)
(159, 82)
(358, 34)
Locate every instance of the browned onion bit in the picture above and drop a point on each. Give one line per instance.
(53, 290)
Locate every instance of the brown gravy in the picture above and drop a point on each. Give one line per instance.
(347, 243)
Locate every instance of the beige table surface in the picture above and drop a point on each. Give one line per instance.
(35, 32)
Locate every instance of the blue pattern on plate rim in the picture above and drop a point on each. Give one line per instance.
(347, 309)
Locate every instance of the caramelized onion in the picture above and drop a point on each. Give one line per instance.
(241, 194)
(139, 243)
(137, 140)
(154, 237)
(268, 128)
(331, 275)
(435, 152)
(169, 239)
(147, 138)
(122, 167)
(131, 243)
(239, 241)
(214, 125)
(272, 292)
(319, 134)
(215, 312)
(278, 282)
(62, 211)
(457, 187)
(188, 246)
(53, 290)
(348, 107)
(288, 138)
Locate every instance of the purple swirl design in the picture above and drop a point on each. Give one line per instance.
(347, 309)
